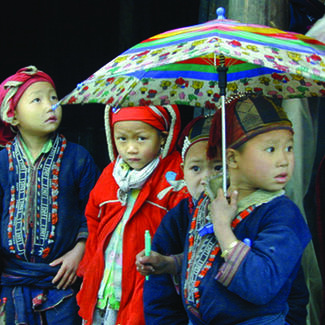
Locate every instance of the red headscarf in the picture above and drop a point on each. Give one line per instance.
(11, 91)
(163, 118)
(155, 116)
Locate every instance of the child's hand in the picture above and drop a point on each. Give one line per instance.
(223, 209)
(154, 264)
(67, 275)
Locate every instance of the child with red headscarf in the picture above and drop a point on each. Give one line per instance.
(134, 192)
(44, 186)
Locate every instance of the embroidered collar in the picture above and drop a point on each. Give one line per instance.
(46, 148)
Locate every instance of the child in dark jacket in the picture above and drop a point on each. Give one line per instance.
(44, 186)
(167, 232)
(242, 272)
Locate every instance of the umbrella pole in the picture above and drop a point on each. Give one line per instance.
(223, 145)
(222, 82)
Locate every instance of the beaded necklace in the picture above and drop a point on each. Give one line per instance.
(203, 250)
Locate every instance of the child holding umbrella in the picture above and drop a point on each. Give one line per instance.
(242, 272)
(248, 246)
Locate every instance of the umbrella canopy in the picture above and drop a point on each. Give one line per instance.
(179, 66)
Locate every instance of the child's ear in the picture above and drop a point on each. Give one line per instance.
(232, 158)
(182, 166)
(164, 135)
(14, 122)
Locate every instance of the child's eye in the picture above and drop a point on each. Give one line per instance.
(195, 168)
(36, 100)
(218, 168)
(270, 149)
(141, 138)
(121, 139)
(289, 149)
(54, 98)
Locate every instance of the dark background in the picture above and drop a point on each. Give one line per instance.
(72, 39)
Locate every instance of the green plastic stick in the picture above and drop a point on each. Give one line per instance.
(147, 245)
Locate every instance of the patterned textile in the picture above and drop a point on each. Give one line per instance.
(33, 204)
(203, 250)
(26, 279)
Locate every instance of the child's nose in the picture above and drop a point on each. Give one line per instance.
(204, 176)
(131, 147)
(283, 159)
(48, 104)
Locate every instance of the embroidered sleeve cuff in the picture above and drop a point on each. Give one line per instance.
(228, 269)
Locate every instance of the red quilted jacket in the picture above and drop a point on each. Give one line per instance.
(103, 213)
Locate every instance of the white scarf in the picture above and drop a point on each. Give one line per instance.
(128, 179)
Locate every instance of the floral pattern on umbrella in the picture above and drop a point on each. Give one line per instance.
(179, 66)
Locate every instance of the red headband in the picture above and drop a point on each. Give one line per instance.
(155, 116)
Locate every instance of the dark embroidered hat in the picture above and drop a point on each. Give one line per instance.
(197, 130)
(247, 117)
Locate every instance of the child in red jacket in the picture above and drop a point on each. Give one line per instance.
(132, 195)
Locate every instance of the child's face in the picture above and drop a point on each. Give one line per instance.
(197, 168)
(265, 161)
(138, 143)
(34, 114)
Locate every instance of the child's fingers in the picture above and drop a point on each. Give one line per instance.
(140, 255)
(66, 279)
(220, 193)
(57, 276)
(145, 269)
(70, 280)
(234, 197)
(56, 262)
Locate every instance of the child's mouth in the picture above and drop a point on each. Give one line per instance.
(282, 178)
(52, 119)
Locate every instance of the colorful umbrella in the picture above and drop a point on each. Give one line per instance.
(183, 66)
(179, 66)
